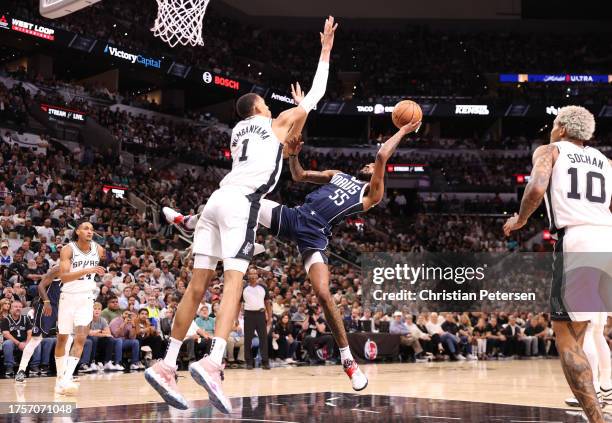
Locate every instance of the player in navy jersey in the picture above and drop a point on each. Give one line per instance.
(45, 318)
(310, 224)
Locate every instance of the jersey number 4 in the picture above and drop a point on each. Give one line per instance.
(592, 179)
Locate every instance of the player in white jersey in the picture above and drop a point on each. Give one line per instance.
(577, 182)
(79, 264)
(226, 228)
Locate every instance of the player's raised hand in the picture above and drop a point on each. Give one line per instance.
(327, 36)
(294, 145)
(411, 127)
(297, 93)
(513, 224)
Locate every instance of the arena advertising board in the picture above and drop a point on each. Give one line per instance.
(568, 78)
(63, 114)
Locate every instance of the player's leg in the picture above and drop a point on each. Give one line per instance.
(318, 273)
(604, 361)
(28, 351)
(207, 250)
(570, 337)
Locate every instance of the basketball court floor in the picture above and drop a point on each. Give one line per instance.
(491, 391)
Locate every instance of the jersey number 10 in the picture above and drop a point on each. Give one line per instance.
(592, 178)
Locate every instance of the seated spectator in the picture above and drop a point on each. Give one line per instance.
(514, 338)
(206, 329)
(123, 329)
(495, 339)
(479, 334)
(532, 334)
(317, 335)
(17, 331)
(399, 327)
(103, 342)
(112, 310)
(147, 334)
(283, 336)
(235, 340)
(440, 336)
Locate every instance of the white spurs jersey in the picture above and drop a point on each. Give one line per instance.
(580, 188)
(81, 260)
(257, 157)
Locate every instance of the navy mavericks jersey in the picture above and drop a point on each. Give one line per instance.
(42, 324)
(342, 196)
(54, 290)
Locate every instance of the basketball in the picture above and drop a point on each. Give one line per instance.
(405, 112)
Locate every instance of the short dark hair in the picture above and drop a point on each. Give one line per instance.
(245, 105)
(75, 237)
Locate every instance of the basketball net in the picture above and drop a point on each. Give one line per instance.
(180, 21)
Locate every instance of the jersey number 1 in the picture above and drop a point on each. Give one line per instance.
(591, 180)
(243, 156)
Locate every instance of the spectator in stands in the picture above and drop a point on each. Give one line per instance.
(317, 335)
(112, 310)
(5, 308)
(514, 338)
(479, 333)
(495, 339)
(123, 329)
(147, 334)
(235, 340)
(6, 259)
(125, 295)
(206, 325)
(46, 230)
(439, 335)
(16, 331)
(532, 334)
(283, 336)
(103, 342)
(399, 327)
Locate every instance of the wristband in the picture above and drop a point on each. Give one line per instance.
(46, 301)
(292, 155)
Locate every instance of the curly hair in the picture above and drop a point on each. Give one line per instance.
(578, 122)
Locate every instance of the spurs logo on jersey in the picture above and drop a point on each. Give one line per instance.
(580, 188)
(256, 157)
(81, 260)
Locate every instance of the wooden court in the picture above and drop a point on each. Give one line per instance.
(538, 384)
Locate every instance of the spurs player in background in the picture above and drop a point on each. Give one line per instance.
(79, 264)
(577, 182)
(45, 318)
(226, 230)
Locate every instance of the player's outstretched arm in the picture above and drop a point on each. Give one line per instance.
(543, 160)
(294, 146)
(286, 120)
(376, 189)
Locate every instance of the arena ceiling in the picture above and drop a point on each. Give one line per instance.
(393, 9)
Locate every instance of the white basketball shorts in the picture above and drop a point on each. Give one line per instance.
(74, 310)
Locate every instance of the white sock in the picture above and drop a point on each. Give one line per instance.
(173, 351)
(217, 350)
(71, 363)
(28, 351)
(603, 353)
(68, 345)
(591, 354)
(345, 354)
(60, 365)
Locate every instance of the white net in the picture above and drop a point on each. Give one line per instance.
(180, 21)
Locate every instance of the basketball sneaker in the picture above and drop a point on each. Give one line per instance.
(606, 397)
(162, 378)
(20, 376)
(209, 375)
(176, 218)
(573, 402)
(358, 378)
(66, 387)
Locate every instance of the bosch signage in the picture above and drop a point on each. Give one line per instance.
(207, 77)
(132, 58)
(472, 109)
(226, 82)
(63, 113)
(33, 29)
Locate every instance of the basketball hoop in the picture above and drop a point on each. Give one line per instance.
(180, 21)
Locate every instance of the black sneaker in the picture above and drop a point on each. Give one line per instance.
(44, 370)
(265, 366)
(20, 377)
(34, 371)
(249, 366)
(10, 372)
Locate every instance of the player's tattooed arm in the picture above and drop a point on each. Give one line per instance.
(376, 189)
(543, 161)
(294, 146)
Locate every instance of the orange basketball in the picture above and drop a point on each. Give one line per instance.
(405, 112)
